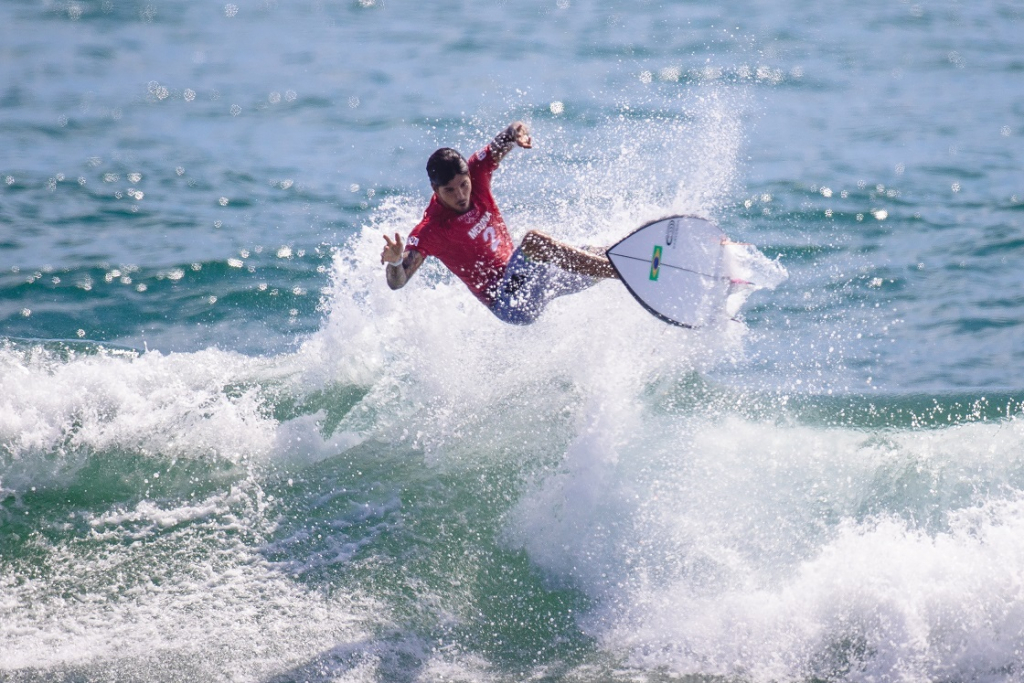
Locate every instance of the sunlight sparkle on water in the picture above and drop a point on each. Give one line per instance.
(670, 73)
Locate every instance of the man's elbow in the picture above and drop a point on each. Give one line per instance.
(396, 279)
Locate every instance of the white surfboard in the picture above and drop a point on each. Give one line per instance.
(675, 269)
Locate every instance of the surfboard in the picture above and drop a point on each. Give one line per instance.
(675, 268)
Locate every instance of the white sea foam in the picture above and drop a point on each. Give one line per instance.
(214, 613)
(55, 411)
(774, 552)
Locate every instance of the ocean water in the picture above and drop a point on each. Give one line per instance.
(229, 453)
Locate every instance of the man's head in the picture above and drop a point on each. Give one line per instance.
(449, 177)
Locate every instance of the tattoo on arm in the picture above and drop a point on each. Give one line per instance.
(398, 276)
(503, 143)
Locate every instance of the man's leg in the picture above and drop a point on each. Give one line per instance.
(540, 247)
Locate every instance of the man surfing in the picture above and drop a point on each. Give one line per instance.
(463, 227)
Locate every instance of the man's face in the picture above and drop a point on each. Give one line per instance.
(455, 195)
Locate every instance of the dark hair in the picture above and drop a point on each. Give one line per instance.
(445, 164)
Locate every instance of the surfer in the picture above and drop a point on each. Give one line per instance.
(463, 227)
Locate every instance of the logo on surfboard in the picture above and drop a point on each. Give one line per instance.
(670, 232)
(656, 262)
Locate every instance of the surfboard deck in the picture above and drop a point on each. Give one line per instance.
(674, 267)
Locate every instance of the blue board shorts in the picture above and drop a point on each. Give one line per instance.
(527, 287)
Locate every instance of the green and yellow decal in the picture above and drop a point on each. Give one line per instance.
(656, 262)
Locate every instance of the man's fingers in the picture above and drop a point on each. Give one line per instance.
(391, 248)
(523, 138)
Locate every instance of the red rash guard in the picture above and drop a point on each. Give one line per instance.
(474, 245)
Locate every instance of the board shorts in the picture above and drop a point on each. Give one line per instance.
(527, 287)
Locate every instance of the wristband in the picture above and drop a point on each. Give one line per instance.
(396, 264)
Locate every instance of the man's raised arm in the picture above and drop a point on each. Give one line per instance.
(401, 264)
(516, 134)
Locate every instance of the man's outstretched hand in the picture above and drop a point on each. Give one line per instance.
(520, 134)
(393, 250)
(517, 133)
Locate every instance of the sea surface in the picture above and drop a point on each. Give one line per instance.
(228, 452)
